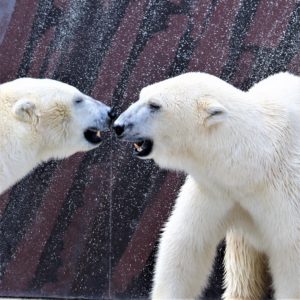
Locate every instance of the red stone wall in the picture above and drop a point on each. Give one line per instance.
(88, 226)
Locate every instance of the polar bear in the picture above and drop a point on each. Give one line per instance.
(43, 119)
(241, 151)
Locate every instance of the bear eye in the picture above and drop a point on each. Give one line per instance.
(78, 100)
(154, 106)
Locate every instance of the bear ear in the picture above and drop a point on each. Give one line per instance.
(24, 110)
(216, 113)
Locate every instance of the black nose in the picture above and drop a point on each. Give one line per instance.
(119, 129)
(112, 114)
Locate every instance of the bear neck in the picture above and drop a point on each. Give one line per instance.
(243, 153)
(17, 160)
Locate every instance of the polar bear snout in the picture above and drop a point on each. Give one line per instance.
(124, 131)
(142, 146)
(119, 129)
(100, 118)
(106, 115)
(135, 125)
(102, 113)
(112, 114)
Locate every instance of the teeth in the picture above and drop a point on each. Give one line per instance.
(137, 147)
(98, 134)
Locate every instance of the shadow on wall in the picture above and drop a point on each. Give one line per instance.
(88, 226)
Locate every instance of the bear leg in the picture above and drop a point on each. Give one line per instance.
(188, 244)
(246, 275)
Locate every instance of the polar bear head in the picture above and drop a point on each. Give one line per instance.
(175, 118)
(54, 117)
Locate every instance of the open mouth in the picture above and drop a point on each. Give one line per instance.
(143, 148)
(93, 135)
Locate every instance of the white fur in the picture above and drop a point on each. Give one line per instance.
(40, 120)
(244, 179)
